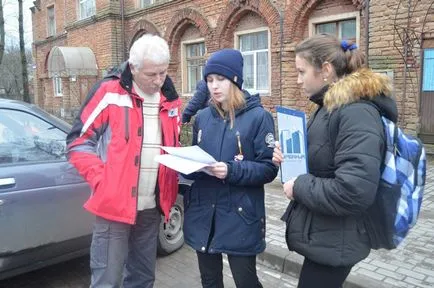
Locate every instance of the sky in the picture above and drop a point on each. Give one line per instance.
(10, 11)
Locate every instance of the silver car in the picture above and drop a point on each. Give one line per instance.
(42, 220)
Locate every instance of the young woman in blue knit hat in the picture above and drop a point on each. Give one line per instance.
(327, 218)
(225, 211)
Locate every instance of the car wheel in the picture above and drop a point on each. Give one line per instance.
(171, 235)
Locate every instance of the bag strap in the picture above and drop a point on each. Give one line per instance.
(395, 132)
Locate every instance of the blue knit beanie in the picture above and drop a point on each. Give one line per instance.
(228, 63)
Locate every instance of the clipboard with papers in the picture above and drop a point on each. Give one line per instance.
(293, 142)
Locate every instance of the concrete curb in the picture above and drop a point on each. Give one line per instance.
(290, 263)
(429, 149)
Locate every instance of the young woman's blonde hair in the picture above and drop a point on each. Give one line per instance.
(235, 101)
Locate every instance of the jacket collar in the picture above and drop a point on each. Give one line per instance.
(318, 97)
(362, 84)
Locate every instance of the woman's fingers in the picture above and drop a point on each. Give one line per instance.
(277, 154)
(219, 170)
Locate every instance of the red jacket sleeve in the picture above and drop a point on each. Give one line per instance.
(82, 141)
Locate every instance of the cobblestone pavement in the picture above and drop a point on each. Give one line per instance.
(410, 265)
(178, 270)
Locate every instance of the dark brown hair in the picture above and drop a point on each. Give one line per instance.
(322, 48)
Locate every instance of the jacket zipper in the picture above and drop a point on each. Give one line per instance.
(140, 156)
(313, 117)
(127, 124)
(221, 144)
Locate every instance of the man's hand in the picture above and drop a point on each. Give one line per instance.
(219, 170)
(277, 154)
(185, 119)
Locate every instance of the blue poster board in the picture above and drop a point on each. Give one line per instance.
(293, 142)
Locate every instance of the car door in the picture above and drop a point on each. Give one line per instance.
(41, 194)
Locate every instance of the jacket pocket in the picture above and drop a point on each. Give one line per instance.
(297, 218)
(287, 214)
(298, 224)
(380, 217)
(286, 217)
(246, 210)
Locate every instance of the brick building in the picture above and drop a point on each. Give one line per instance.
(77, 41)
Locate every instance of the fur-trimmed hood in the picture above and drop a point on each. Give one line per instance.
(363, 84)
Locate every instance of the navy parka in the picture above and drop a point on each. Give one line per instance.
(228, 216)
(198, 102)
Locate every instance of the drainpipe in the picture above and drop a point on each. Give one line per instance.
(65, 22)
(280, 55)
(367, 2)
(122, 3)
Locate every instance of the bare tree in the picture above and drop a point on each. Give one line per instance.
(26, 94)
(10, 72)
(2, 32)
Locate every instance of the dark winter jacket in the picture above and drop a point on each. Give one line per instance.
(326, 222)
(229, 214)
(198, 102)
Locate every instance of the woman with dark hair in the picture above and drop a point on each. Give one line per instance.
(326, 219)
(225, 210)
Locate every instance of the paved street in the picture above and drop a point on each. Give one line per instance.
(410, 265)
(177, 270)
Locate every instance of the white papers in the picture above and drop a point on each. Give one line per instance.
(293, 142)
(185, 159)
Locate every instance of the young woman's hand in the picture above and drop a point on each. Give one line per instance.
(288, 188)
(277, 154)
(219, 170)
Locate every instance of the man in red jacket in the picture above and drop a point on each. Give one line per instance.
(113, 142)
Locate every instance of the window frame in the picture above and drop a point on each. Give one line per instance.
(81, 17)
(336, 18)
(184, 66)
(425, 89)
(57, 86)
(153, 2)
(237, 37)
(48, 21)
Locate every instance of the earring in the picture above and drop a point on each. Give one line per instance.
(325, 79)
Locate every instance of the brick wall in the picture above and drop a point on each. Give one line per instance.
(387, 50)
(216, 22)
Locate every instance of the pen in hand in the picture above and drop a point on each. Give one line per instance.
(239, 142)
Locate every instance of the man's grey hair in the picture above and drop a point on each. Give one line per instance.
(149, 47)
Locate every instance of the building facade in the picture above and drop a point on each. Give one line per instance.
(76, 42)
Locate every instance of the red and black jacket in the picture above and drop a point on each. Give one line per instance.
(105, 146)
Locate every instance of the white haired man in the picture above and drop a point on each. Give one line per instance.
(121, 125)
